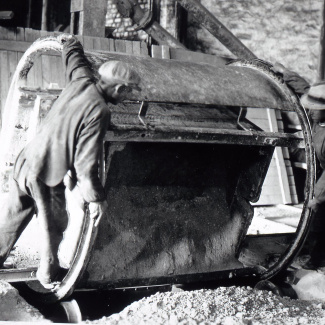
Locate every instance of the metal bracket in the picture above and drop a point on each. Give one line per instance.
(242, 114)
(142, 112)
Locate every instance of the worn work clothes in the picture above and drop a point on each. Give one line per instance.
(319, 145)
(18, 208)
(71, 136)
(16, 212)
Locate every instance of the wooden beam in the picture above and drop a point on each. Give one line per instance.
(44, 15)
(92, 15)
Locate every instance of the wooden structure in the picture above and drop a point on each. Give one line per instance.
(88, 17)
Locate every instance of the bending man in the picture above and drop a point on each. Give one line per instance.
(70, 139)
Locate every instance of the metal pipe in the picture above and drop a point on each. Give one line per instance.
(217, 29)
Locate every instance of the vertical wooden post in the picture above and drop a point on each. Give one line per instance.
(29, 13)
(321, 68)
(44, 15)
(171, 17)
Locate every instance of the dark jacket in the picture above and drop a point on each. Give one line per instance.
(72, 134)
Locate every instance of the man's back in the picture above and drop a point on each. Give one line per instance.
(69, 138)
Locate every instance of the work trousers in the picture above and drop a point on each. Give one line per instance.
(315, 241)
(319, 144)
(17, 211)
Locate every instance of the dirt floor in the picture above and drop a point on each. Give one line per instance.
(232, 305)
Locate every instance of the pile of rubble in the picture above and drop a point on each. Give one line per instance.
(225, 305)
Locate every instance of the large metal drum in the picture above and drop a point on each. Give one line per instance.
(180, 173)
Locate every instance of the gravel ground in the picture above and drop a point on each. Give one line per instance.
(225, 305)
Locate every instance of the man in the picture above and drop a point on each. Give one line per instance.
(70, 139)
(313, 99)
(297, 83)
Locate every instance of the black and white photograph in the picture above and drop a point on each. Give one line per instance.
(162, 162)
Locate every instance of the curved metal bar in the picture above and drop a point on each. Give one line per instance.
(78, 265)
(79, 262)
(305, 219)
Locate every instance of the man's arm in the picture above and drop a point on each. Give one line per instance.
(89, 145)
(74, 59)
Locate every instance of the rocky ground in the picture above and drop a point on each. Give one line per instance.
(228, 306)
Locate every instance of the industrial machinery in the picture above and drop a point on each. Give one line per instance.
(181, 166)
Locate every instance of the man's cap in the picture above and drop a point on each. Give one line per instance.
(315, 97)
(119, 72)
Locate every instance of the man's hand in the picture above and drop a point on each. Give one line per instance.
(291, 78)
(279, 68)
(96, 210)
(63, 38)
(314, 205)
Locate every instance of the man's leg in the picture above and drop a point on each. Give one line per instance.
(52, 222)
(16, 211)
(316, 236)
(49, 263)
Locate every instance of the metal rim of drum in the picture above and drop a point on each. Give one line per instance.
(305, 218)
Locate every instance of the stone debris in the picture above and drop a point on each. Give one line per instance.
(311, 285)
(14, 308)
(225, 305)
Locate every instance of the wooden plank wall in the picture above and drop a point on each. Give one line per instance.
(15, 41)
